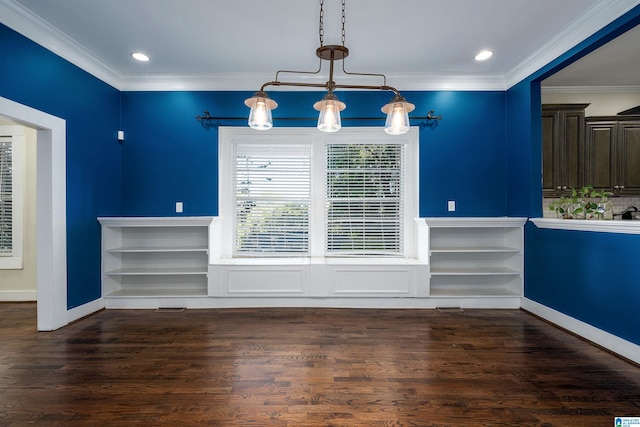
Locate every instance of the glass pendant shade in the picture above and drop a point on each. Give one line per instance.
(329, 118)
(397, 111)
(260, 115)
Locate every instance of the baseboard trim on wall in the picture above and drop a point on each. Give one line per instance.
(610, 342)
(84, 310)
(18, 296)
(149, 302)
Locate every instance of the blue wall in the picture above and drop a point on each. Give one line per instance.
(593, 277)
(39, 79)
(168, 156)
(524, 150)
(589, 276)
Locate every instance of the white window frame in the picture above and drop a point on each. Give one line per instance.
(228, 136)
(17, 137)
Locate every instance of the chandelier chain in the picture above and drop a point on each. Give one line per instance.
(321, 27)
(343, 21)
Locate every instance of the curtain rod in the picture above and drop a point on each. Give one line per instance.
(207, 116)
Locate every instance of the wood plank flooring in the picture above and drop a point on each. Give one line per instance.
(307, 367)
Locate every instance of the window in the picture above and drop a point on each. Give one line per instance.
(272, 188)
(364, 194)
(300, 192)
(11, 196)
(6, 201)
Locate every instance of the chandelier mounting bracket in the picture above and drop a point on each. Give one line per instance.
(332, 52)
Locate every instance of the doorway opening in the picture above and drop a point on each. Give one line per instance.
(51, 226)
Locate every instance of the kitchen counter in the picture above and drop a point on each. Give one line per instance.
(601, 226)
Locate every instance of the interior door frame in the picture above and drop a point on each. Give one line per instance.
(51, 211)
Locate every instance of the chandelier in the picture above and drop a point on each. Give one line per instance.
(397, 110)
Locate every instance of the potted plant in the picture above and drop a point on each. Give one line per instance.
(583, 203)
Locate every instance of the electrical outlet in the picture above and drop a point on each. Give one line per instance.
(451, 205)
(179, 207)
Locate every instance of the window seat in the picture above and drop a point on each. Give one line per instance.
(318, 277)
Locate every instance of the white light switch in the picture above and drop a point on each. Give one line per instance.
(178, 207)
(451, 205)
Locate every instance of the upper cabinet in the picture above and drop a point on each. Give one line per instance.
(612, 154)
(562, 147)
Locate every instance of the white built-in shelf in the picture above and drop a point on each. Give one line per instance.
(167, 293)
(477, 271)
(157, 271)
(474, 291)
(161, 256)
(475, 250)
(147, 250)
(476, 257)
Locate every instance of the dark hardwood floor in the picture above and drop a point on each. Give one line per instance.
(307, 367)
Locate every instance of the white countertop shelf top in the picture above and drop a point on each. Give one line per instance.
(602, 226)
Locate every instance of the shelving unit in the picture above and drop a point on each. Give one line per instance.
(155, 257)
(476, 257)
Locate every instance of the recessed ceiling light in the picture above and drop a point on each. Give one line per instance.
(485, 54)
(140, 56)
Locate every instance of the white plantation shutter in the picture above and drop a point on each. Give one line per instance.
(272, 189)
(6, 197)
(364, 199)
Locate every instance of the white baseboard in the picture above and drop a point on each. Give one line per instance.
(84, 310)
(609, 341)
(149, 302)
(18, 296)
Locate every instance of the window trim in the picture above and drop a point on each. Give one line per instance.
(227, 136)
(17, 135)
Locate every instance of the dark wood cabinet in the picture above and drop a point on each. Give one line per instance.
(612, 154)
(563, 127)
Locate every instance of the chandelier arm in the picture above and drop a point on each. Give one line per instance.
(367, 87)
(324, 86)
(293, 84)
(384, 78)
(300, 72)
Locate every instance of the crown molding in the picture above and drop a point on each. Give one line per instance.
(584, 26)
(590, 89)
(23, 21)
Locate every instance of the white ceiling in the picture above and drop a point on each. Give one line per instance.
(223, 44)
